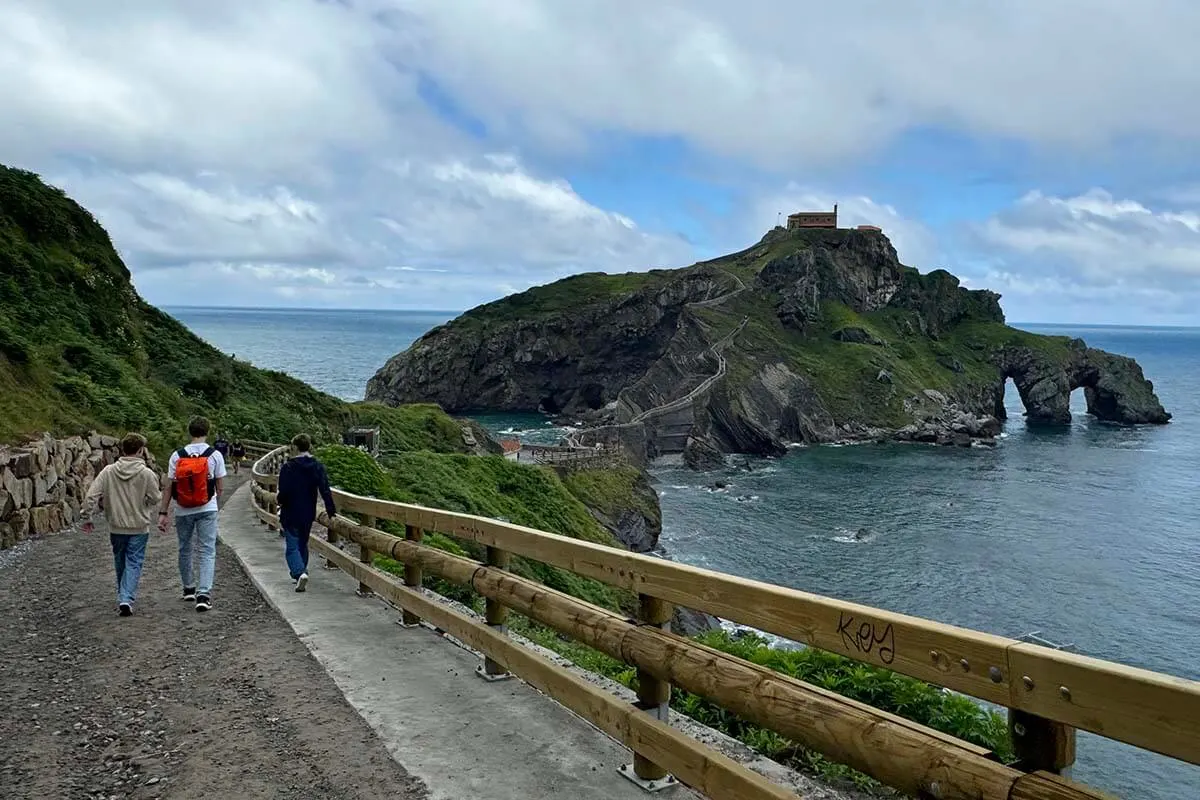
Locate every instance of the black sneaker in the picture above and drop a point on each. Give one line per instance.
(189, 595)
(125, 609)
(203, 603)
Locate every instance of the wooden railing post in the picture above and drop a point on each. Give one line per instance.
(654, 698)
(1041, 745)
(273, 506)
(497, 615)
(365, 557)
(331, 537)
(412, 576)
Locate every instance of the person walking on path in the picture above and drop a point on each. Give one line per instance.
(222, 446)
(239, 455)
(301, 478)
(197, 474)
(129, 490)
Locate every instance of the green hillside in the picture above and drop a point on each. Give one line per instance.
(79, 349)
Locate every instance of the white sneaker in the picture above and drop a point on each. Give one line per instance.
(302, 582)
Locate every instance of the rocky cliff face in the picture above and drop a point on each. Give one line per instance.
(856, 268)
(808, 336)
(594, 340)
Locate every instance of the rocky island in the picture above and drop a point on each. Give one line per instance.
(812, 335)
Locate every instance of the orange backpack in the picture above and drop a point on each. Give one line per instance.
(193, 488)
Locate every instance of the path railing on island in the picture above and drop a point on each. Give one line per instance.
(1049, 693)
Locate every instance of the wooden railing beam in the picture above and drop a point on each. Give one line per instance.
(712, 773)
(897, 752)
(1146, 709)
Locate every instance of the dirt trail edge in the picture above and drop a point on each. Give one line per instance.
(168, 703)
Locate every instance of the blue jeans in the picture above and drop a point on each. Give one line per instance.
(197, 539)
(129, 553)
(295, 550)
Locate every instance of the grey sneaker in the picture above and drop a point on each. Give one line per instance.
(302, 582)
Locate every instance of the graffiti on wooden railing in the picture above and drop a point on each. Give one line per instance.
(865, 637)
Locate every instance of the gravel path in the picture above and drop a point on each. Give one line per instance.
(167, 703)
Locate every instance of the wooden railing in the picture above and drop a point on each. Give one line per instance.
(1050, 693)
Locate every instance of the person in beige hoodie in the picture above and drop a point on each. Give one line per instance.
(130, 491)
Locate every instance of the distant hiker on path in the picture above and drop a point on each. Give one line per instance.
(197, 473)
(129, 490)
(239, 455)
(300, 480)
(222, 445)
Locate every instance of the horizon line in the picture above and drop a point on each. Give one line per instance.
(439, 311)
(314, 308)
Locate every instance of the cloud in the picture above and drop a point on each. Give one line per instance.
(785, 86)
(417, 152)
(1099, 239)
(488, 218)
(263, 85)
(161, 220)
(492, 210)
(289, 134)
(1121, 256)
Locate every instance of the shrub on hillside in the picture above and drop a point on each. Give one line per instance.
(13, 346)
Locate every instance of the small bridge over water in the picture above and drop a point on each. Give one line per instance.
(602, 456)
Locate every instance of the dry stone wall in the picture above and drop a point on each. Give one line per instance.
(43, 481)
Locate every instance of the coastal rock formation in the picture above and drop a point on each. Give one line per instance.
(1115, 388)
(634, 517)
(809, 336)
(543, 351)
(855, 268)
(942, 421)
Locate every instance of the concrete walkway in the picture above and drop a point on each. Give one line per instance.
(464, 737)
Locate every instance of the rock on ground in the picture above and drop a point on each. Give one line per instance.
(167, 703)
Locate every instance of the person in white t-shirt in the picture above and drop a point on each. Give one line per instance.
(197, 473)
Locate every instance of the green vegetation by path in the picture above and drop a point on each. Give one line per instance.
(417, 426)
(488, 486)
(493, 486)
(612, 491)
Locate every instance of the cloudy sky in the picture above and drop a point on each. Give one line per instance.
(436, 154)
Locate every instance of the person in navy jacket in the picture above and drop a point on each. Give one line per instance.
(301, 479)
